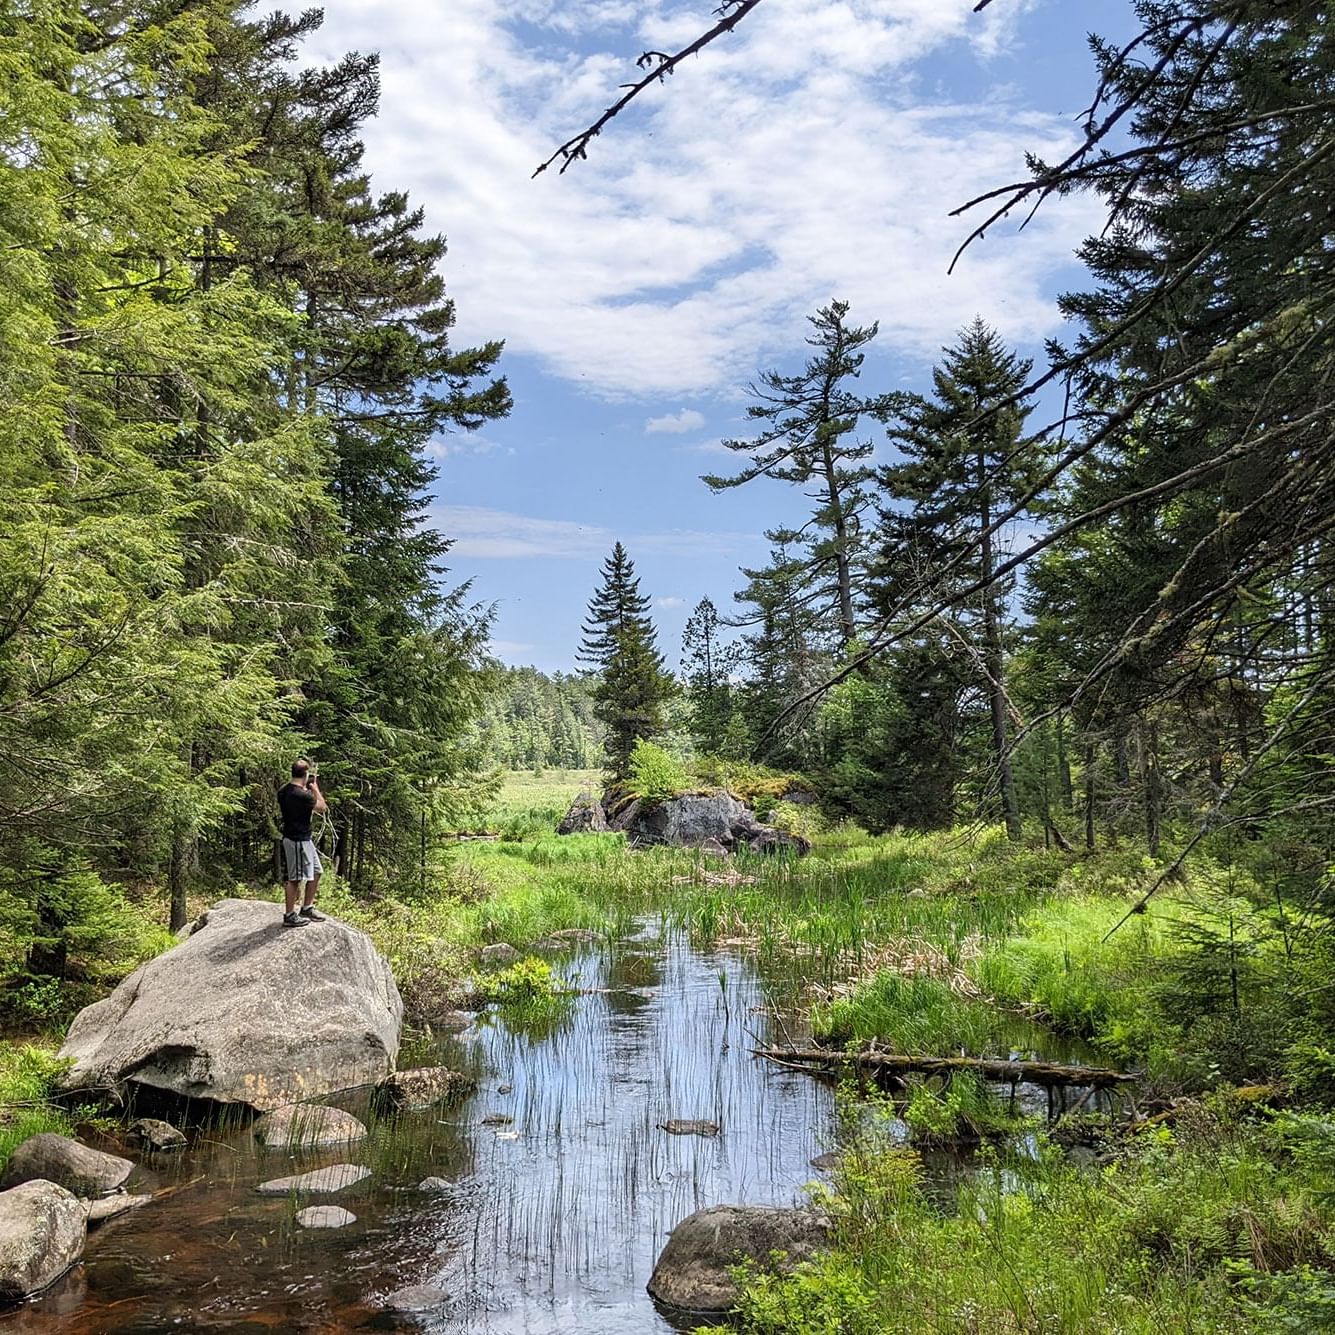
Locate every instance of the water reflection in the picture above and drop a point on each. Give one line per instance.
(551, 1221)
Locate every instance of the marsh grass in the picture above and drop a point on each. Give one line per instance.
(1189, 1232)
(28, 1073)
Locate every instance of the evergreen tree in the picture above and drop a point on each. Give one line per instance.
(708, 664)
(808, 441)
(961, 471)
(619, 644)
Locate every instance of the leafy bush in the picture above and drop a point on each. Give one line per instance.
(655, 775)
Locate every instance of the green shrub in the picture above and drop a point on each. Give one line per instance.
(655, 775)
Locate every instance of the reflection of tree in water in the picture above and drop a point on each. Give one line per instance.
(632, 973)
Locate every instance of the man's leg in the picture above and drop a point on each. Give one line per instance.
(308, 910)
(293, 871)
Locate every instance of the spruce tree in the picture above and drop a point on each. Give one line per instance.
(808, 440)
(619, 644)
(708, 663)
(961, 470)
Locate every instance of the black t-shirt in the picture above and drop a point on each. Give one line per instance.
(298, 806)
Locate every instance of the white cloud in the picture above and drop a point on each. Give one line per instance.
(484, 533)
(670, 600)
(447, 447)
(789, 163)
(675, 423)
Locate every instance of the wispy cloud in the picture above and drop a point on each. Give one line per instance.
(670, 600)
(802, 162)
(510, 648)
(487, 534)
(674, 424)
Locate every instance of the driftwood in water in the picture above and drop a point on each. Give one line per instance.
(829, 1060)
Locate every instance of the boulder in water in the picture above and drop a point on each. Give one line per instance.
(692, 1270)
(321, 1181)
(711, 822)
(42, 1232)
(422, 1088)
(305, 1125)
(51, 1158)
(157, 1134)
(325, 1216)
(111, 1207)
(245, 1011)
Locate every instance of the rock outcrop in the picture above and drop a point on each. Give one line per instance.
(42, 1231)
(692, 1270)
(714, 822)
(245, 1011)
(51, 1158)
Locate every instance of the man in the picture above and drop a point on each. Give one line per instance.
(299, 801)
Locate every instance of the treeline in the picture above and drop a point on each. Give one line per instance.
(222, 354)
(1097, 597)
(537, 722)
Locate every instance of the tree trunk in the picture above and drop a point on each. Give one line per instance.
(1089, 795)
(1151, 783)
(994, 667)
(176, 878)
(1064, 766)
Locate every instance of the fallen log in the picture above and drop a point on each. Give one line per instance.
(818, 1060)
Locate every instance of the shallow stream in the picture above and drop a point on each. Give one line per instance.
(550, 1221)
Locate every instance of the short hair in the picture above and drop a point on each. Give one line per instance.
(300, 768)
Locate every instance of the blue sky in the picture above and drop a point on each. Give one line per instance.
(813, 154)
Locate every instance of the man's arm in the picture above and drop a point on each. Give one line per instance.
(320, 803)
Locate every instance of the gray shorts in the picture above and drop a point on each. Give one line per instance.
(301, 860)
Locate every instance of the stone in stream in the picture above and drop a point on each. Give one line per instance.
(827, 1162)
(74, 1166)
(308, 1124)
(325, 1216)
(497, 1119)
(432, 1184)
(498, 953)
(415, 1298)
(692, 1272)
(334, 1178)
(679, 1127)
(214, 1017)
(42, 1232)
(157, 1134)
(423, 1088)
(108, 1207)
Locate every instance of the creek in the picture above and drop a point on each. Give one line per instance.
(551, 1221)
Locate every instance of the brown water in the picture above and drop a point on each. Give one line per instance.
(551, 1224)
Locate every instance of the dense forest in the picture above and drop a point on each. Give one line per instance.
(223, 356)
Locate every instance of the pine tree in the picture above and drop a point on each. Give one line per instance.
(708, 664)
(961, 472)
(619, 643)
(808, 441)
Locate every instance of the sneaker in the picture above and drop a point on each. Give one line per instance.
(295, 920)
(312, 914)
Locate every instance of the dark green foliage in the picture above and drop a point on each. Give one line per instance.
(807, 440)
(224, 359)
(709, 665)
(619, 644)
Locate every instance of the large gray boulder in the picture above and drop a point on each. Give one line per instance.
(586, 816)
(79, 1169)
(245, 1011)
(692, 1270)
(713, 822)
(42, 1231)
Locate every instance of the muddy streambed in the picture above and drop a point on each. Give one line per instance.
(550, 1222)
